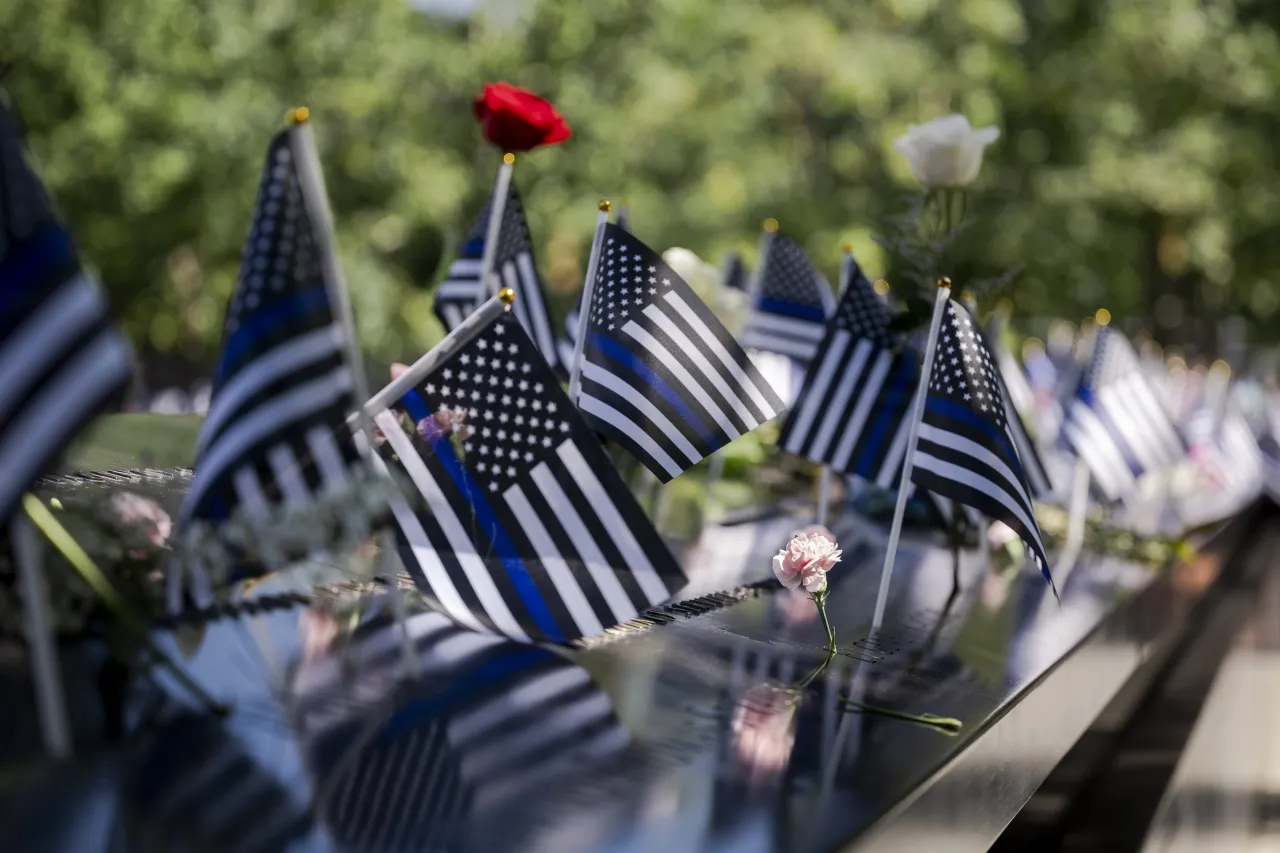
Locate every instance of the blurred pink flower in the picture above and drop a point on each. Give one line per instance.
(318, 629)
(147, 516)
(763, 728)
(805, 562)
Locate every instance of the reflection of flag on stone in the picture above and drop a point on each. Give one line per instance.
(1115, 423)
(662, 376)
(532, 534)
(852, 411)
(276, 429)
(481, 728)
(61, 360)
(966, 451)
(462, 291)
(789, 314)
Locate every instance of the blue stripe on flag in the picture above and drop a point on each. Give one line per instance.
(415, 406)
(956, 411)
(490, 671)
(894, 387)
(502, 544)
(624, 356)
(29, 260)
(258, 324)
(791, 309)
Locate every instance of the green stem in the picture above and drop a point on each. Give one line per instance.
(946, 725)
(97, 581)
(817, 670)
(820, 599)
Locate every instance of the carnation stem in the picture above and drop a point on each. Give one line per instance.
(97, 581)
(820, 599)
(947, 725)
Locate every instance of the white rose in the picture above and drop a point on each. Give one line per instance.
(945, 152)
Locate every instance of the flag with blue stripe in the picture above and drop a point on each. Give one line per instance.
(966, 451)
(661, 375)
(851, 412)
(61, 359)
(527, 531)
(791, 306)
(1116, 423)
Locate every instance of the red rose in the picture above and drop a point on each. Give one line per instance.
(515, 119)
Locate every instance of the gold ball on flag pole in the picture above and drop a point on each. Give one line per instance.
(508, 158)
(297, 115)
(847, 248)
(881, 287)
(944, 282)
(1102, 317)
(605, 206)
(507, 295)
(771, 225)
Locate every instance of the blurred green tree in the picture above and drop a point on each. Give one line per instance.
(1136, 168)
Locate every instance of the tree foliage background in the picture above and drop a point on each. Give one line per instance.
(1136, 169)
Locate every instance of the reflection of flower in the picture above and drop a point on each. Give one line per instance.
(805, 562)
(515, 119)
(763, 730)
(318, 629)
(146, 516)
(945, 152)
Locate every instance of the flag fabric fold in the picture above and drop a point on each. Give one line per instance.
(790, 310)
(276, 434)
(966, 450)
(852, 410)
(62, 361)
(527, 531)
(1116, 423)
(513, 264)
(661, 375)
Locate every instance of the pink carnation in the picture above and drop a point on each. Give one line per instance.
(805, 562)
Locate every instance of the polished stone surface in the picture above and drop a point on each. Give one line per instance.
(727, 731)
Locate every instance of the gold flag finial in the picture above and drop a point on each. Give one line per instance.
(1102, 317)
(771, 225)
(507, 295)
(944, 282)
(847, 248)
(605, 206)
(297, 115)
(508, 158)
(881, 287)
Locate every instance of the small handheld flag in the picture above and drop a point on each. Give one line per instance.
(661, 375)
(528, 530)
(790, 311)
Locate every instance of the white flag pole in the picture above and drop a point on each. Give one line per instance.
(42, 645)
(913, 435)
(491, 283)
(584, 312)
(824, 474)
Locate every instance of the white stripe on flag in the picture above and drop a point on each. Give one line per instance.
(249, 491)
(891, 467)
(42, 338)
(866, 401)
(1012, 484)
(429, 561)
(690, 351)
(1159, 424)
(713, 343)
(466, 266)
(452, 315)
(852, 373)
(598, 408)
(627, 392)
(682, 375)
(553, 563)
(291, 406)
(289, 475)
(528, 694)
(616, 527)
(801, 350)
(975, 481)
(103, 362)
(458, 289)
(276, 363)
(603, 574)
(763, 322)
(324, 450)
(538, 309)
(816, 395)
(454, 530)
(522, 305)
(488, 758)
(1094, 444)
(1137, 437)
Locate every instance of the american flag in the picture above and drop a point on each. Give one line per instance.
(1017, 388)
(532, 534)
(462, 292)
(852, 412)
(275, 433)
(61, 360)
(790, 311)
(1116, 424)
(485, 728)
(966, 451)
(566, 343)
(661, 376)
